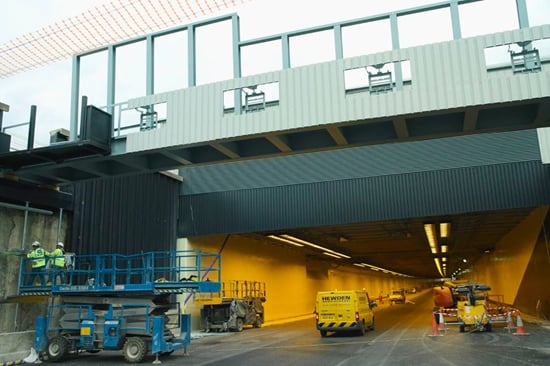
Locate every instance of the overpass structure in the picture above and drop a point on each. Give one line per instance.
(364, 155)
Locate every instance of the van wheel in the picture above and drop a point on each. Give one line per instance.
(323, 333)
(362, 328)
(371, 326)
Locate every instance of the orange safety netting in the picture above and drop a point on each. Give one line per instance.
(100, 26)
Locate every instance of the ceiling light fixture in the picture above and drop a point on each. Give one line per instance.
(285, 240)
(289, 239)
(445, 229)
(305, 242)
(438, 265)
(432, 239)
(444, 248)
(375, 268)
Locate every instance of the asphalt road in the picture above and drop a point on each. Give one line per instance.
(403, 336)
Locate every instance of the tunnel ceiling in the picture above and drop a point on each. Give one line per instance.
(401, 245)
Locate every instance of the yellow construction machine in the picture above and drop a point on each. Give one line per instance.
(470, 302)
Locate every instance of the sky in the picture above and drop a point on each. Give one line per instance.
(48, 87)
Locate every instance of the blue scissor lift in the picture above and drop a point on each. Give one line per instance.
(121, 302)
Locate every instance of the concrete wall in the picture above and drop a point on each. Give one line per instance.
(16, 316)
(292, 278)
(518, 265)
(14, 347)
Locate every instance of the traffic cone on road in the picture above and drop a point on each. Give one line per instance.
(435, 331)
(520, 327)
(442, 326)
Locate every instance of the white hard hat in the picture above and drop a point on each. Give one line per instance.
(35, 244)
(60, 244)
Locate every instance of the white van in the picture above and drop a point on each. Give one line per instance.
(344, 311)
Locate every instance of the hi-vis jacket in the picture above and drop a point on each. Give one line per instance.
(58, 257)
(38, 257)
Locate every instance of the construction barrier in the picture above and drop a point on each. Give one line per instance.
(497, 314)
(442, 326)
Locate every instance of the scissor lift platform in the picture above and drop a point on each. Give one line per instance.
(148, 273)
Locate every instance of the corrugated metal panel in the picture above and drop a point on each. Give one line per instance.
(125, 215)
(422, 194)
(366, 161)
(445, 76)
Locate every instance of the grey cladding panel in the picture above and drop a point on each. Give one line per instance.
(368, 161)
(422, 194)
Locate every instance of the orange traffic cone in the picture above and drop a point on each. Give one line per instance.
(435, 331)
(521, 328)
(442, 325)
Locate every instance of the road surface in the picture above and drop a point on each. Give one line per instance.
(403, 336)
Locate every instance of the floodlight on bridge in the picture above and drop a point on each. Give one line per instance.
(526, 60)
(254, 100)
(380, 81)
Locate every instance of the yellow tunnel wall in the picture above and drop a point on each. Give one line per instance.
(292, 279)
(518, 265)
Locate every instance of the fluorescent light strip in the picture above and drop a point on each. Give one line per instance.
(445, 229)
(301, 241)
(285, 240)
(430, 234)
(375, 268)
(289, 239)
(438, 265)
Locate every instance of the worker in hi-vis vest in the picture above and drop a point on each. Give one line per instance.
(38, 260)
(57, 263)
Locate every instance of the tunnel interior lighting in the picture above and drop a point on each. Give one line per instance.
(445, 229)
(439, 268)
(444, 248)
(375, 268)
(429, 229)
(289, 239)
(285, 240)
